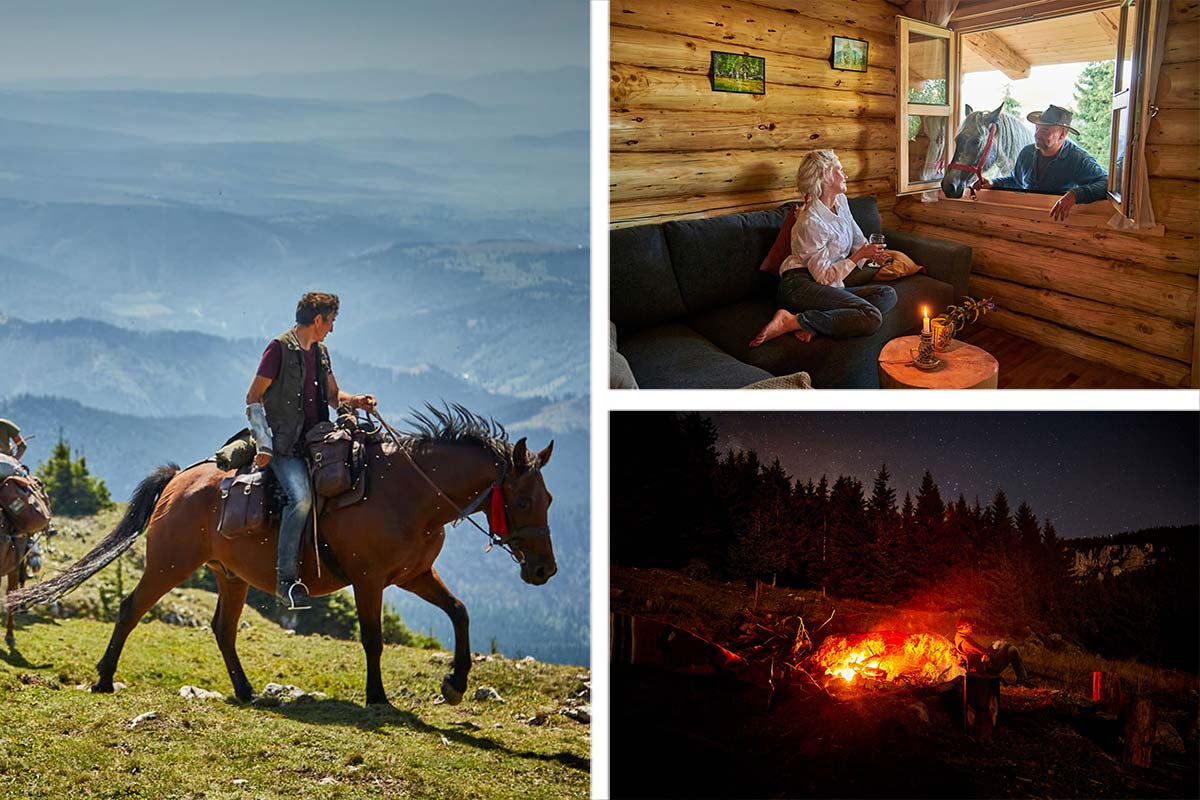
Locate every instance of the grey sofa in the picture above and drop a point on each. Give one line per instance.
(687, 296)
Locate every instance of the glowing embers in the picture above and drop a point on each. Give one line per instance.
(891, 657)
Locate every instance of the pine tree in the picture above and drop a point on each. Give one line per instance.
(931, 555)
(72, 490)
(1010, 103)
(1093, 97)
(885, 524)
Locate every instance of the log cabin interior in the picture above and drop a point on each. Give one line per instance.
(1104, 299)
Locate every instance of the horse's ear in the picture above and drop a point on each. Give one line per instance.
(969, 110)
(995, 115)
(520, 456)
(544, 456)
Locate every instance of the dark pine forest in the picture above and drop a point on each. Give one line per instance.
(680, 504)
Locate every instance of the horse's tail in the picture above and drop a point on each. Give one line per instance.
(141, 506)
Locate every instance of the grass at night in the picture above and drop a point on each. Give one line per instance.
(735, 735)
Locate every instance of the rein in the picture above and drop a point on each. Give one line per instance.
(978, 168)
(496, 513)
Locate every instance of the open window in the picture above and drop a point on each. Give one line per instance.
(926, 97)
(1031, 44)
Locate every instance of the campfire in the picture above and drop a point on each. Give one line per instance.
(886, 657)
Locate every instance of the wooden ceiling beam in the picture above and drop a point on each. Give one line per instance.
(995, 51)
(991, 13)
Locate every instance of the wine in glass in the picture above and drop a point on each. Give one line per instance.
(877, 238)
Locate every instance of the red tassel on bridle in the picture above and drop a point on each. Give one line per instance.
(497, 518)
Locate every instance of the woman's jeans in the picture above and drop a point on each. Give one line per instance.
(292, 474)
(830, 311)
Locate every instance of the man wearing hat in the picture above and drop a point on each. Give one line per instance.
(1053, 164)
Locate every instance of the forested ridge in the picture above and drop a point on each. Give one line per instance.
(731, 516)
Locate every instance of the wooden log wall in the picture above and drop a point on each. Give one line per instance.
(1128, 300)
(678, 149)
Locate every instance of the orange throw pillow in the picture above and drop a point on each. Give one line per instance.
(901, 266)
(783, 244)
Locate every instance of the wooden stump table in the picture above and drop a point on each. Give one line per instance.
(964, 366)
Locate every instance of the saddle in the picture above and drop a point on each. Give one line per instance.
(251, 500)
(25, 504)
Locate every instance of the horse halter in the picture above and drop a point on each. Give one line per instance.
(497, 513)
(978, 168)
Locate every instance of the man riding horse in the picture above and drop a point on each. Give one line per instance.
(292, 391)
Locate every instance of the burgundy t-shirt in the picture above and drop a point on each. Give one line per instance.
(272, 358)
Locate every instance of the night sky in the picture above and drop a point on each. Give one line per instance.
(1092, 474)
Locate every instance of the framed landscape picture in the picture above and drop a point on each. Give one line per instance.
(849, 54)
(733, 72)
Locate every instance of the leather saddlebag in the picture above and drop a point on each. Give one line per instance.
(329, 457)
(244, 507)
(25, 504)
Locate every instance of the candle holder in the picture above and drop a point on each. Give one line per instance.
(922, 354)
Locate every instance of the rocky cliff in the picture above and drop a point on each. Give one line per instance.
(1110, 560)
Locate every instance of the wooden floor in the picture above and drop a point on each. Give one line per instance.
(1025, 364)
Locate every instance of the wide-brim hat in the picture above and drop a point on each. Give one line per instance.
(1053, 116)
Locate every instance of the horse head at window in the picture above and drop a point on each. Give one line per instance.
(985, 139)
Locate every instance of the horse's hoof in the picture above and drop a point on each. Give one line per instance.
(102, 687)
(453, 696)
(11, 641)
(378, 702)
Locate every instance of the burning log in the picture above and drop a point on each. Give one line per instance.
(981, 705)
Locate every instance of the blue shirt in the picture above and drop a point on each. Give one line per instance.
(1072, 169)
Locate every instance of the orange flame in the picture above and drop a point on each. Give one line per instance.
(889, 656)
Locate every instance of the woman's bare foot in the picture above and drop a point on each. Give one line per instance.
(783, 322)
(803, 335)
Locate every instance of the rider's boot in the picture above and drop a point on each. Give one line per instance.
(290, 593)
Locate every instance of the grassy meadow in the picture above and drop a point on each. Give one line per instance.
(59, 740)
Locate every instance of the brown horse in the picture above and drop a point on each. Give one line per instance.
(14, 555)
(390, 538)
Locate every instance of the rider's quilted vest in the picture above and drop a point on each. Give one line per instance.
(284, 398)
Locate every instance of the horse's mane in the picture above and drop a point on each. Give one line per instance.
(455, 423)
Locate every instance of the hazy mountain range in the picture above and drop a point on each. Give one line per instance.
(154, 234)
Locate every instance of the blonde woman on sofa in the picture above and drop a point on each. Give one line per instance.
(821, 289)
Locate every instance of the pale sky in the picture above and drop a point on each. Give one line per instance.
(1054, 83)
(219, 38)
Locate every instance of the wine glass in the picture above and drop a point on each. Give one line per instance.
(877, 238)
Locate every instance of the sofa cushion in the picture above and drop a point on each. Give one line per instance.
(642, 286)
(783, 244)
(866, 213)
(832, 363)
(716, 258)
(673, 356)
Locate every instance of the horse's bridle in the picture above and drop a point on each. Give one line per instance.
(978, 168)
(497, 512)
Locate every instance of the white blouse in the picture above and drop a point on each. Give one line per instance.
(821, 240)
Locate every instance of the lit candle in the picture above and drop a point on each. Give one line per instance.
(925, 312)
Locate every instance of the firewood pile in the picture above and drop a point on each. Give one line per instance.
(767, 637)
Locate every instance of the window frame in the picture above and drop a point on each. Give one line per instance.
(1134, 100)
(905, 25)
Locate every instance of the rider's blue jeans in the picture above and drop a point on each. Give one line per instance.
(292, 474)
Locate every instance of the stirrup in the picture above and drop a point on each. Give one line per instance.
(292, 600)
